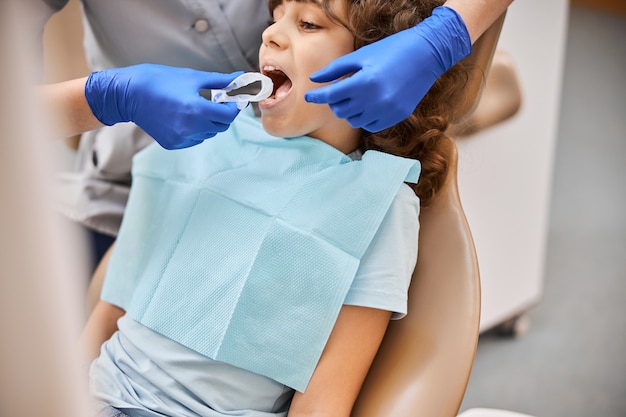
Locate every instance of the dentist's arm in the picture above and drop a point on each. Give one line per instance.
(478, 15)
(164, 101)
(391, 76)
(67, 106)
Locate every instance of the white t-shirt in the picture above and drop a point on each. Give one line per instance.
(145, 374)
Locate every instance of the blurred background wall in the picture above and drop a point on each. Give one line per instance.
(571, 361)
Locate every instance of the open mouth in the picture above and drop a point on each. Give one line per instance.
(282, 83)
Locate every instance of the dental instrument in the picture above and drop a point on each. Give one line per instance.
(250, 86)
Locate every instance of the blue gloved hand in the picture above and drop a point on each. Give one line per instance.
(164, 101)
(392, 75)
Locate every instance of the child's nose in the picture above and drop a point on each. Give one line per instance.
(275, 36)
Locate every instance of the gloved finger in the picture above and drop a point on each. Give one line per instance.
(209, 80)
(208, 131)
(220, 127)
(359, 120)
(378, 125)
(190, 143)
(341, 66)
(336, 92)
(221, 113)
(346, 109)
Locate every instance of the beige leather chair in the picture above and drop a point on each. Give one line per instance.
(500, 100)
(424, 362)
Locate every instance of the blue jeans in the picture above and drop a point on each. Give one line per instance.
(100, 243)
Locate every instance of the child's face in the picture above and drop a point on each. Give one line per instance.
(302, 40)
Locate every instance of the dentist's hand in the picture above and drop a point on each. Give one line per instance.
(392, 75)
(164, 101)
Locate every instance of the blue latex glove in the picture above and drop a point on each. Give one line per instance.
(164, 101)
(392, 75)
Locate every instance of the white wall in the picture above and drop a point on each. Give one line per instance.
(505, 172)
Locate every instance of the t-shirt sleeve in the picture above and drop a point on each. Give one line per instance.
(385, 271)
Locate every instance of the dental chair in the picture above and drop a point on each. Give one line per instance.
(423, 365)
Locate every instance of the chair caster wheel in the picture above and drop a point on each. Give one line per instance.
(516, 326)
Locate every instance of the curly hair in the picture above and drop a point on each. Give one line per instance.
(422, 135)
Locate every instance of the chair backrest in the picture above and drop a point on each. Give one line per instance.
(423, 365)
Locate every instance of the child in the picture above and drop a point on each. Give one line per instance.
(255, 274)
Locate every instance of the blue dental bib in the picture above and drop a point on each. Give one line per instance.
(243, 248)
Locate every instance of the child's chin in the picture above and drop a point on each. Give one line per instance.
(276, 130)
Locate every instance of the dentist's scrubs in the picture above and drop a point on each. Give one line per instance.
(211, 35)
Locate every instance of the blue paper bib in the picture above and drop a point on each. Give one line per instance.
(243, 248)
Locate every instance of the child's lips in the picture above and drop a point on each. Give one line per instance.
(279, 95)
(282, 85)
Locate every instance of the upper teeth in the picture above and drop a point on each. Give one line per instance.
(269, 68)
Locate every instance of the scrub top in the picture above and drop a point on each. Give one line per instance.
(210, 35)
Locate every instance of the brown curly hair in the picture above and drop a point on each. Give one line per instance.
(422, 135)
